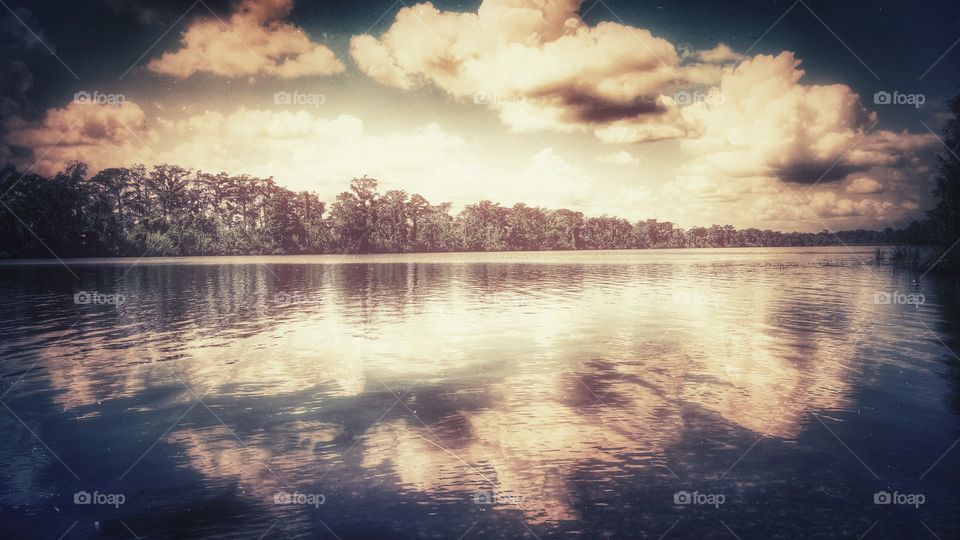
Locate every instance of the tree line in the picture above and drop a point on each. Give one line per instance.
(172, 211)
(942, 226)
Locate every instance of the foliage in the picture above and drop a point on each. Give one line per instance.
(171, 211)
(943, 226)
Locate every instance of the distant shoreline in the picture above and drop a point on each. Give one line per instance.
(864, 249)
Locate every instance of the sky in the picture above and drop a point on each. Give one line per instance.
(790, 115)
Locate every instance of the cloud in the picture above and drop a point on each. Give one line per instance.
(721, 54)
(778, 153)
(253, 41)
(629, 132)
(619, 158)
(374, 59)
(770, 150)
(541, 65)
(766, 202)
(100, 135)
(864, 186)
(829, 204)
(769, 122)
(548, 180)
(773, 151)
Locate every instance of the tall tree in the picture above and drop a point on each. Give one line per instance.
(945, 216)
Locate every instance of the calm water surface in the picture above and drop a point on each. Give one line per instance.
(538, 395)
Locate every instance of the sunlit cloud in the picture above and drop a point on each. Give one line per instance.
(253, 41)
(864, 185)
(619, 158)
(767, 120)
(541, 66)
(99, 135)
(721, 54)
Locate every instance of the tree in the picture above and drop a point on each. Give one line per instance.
(354, 216)
(173, 211)
(484, 226)
(167, 185)
(438, 231)
(527, 228)
(392, 234)
(565, 228)
(606, 232)
(945, 216)
(417, 208)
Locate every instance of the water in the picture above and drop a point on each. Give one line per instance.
(538, 395)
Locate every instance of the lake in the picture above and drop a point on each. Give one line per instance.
(703, 393)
